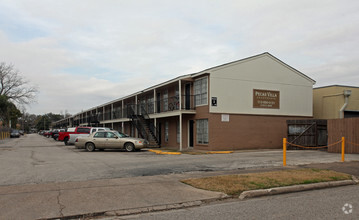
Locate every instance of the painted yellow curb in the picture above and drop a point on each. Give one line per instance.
(170, 153)
(154, 151)
(178, 153)
(161, 152)
(219, 152)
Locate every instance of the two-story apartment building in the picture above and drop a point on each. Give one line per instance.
(238, 105)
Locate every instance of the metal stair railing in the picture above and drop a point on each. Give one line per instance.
(154, 131)
(141, 120)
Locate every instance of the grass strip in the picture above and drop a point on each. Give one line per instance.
(236, 184)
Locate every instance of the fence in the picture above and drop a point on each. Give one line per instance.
(348, 128)
(341, 143)
(4, 133)
(310, 132)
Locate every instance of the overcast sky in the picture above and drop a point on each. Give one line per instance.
(83, 53)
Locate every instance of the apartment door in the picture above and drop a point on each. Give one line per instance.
(190, 135)
(188, 96)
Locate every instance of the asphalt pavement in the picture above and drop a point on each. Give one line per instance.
(331, 203)
(119, 196)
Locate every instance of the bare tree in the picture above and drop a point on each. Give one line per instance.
(14, 87)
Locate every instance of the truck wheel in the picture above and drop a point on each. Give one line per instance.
(130, 147)
(90, 147)
(66, 141)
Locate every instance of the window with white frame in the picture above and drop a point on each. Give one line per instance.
(202, 131)
(165, 101)
(200, 91)
(166, 131)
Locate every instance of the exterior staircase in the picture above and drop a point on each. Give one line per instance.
(146, 129)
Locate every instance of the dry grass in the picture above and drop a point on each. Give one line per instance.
(235, 184)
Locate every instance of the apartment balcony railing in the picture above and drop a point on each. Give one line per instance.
(160, 106)
(117, 113)
(172, 103)
(107, 115)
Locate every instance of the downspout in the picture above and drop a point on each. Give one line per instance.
(346, 94)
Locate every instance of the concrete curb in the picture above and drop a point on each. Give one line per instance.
(158, 208)
(153, 208)
(219, 152)
(244, 195)
(164, 152)
(295, 188)
(179, 153)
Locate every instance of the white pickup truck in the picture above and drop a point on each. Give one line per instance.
(73, 137)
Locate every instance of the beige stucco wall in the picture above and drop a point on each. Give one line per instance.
(329, 100)
(233, 86)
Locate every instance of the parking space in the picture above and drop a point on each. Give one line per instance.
(36, 159)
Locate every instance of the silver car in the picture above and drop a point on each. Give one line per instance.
(110, 140)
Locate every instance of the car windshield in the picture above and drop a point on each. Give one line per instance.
(119, 134)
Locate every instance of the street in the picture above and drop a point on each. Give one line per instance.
(36, 159)
(317, 204)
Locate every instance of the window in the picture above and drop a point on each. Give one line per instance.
(165, 101)
(83, 130)
(110, 135)
(142, 106)
(202, 131)
(200, 91)
(178, 132)
(176, 98)
(166, 131)
(99, 135)
(150, 105)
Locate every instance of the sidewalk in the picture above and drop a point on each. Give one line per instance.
(78, 198)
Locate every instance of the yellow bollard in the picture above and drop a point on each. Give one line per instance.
(284, 152)
(343, 148)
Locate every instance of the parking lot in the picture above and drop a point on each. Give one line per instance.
(36, 159)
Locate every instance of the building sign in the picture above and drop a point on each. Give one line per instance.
(214, 101)
(265, 99)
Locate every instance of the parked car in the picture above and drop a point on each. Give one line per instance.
(21, 132)
(55, 133)
(73, 137)
(110, 140)
(14, 133)
(65, 136)
(46, 133)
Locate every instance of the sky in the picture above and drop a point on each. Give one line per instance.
(84, 53)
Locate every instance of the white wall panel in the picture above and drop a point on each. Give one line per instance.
(233, 86)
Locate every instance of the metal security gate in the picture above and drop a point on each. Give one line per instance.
(309, 133)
